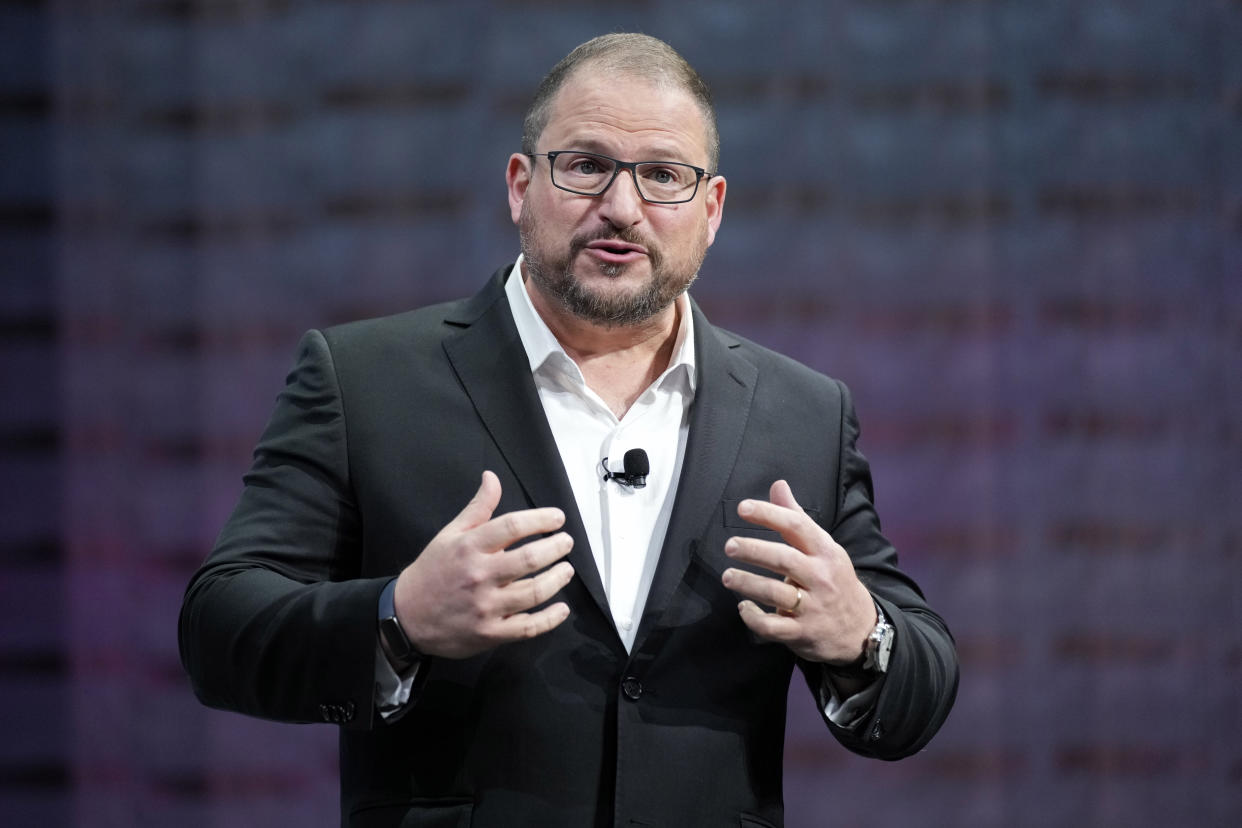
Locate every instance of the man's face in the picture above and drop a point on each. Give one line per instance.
(615, 259)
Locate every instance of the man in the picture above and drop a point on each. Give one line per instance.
(448, 544)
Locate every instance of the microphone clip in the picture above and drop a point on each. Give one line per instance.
(636, 469)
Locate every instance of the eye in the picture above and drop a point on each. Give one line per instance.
(665, 175)
(586, 166)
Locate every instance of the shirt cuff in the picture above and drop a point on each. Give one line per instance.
(392, 691)
(847, 713)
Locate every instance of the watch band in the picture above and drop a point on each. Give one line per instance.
(398, 649)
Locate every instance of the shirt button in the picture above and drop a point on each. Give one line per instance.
(632, 688)
(627, 624)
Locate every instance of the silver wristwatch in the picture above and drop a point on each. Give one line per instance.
(879, 645)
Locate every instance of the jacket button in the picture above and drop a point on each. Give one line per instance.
(632, 688)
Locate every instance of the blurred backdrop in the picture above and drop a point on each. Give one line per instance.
(1014, 229)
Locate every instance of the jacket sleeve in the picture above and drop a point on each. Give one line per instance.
(921, 684)
(276, 623)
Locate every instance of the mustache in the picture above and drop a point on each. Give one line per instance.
(628, 235)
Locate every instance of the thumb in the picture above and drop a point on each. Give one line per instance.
(781, 495)
(480, 508)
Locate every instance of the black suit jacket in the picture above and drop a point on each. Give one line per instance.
(379, 439)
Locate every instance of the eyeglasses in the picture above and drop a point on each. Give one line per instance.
(591, 174)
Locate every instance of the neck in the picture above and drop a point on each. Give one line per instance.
(618, 362)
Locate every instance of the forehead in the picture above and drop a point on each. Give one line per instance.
(627, 116)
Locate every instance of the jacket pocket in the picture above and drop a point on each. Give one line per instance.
(752, 821)
(424, 813)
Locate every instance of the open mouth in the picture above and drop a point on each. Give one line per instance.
(615, 251)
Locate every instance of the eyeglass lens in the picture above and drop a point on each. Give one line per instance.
(657, 180)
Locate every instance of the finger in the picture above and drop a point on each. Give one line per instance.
(508, 529)
(769, 591)
(793, 524)
(526, 593)
(525, 625)
(780, 558)
(531, 557)
(769, 625)
(479, 510)
(782, 495)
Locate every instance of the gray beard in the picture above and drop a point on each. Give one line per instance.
(557, 280)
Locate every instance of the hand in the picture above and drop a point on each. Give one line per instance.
(822, 611)
(468, 592)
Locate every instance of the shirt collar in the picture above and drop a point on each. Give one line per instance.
(543, 351)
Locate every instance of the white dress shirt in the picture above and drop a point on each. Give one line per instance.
(625, 526)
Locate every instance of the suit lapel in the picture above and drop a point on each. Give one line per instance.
(726, 386)
(491, 363)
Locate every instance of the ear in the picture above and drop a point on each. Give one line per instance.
(716, 186)
(518, 176)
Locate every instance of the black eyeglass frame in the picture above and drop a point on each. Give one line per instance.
(700, 174)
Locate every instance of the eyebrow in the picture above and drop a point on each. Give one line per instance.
(598, 147)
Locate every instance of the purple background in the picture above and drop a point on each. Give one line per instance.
(1013, 227)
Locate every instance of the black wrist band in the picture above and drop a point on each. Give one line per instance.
(398, 649)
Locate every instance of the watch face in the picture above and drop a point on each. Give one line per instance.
(879, 647)
(884, 649)
(396, 645)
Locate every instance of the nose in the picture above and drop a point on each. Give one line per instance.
(621, 205)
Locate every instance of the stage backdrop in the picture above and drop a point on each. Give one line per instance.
(1013, 227)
